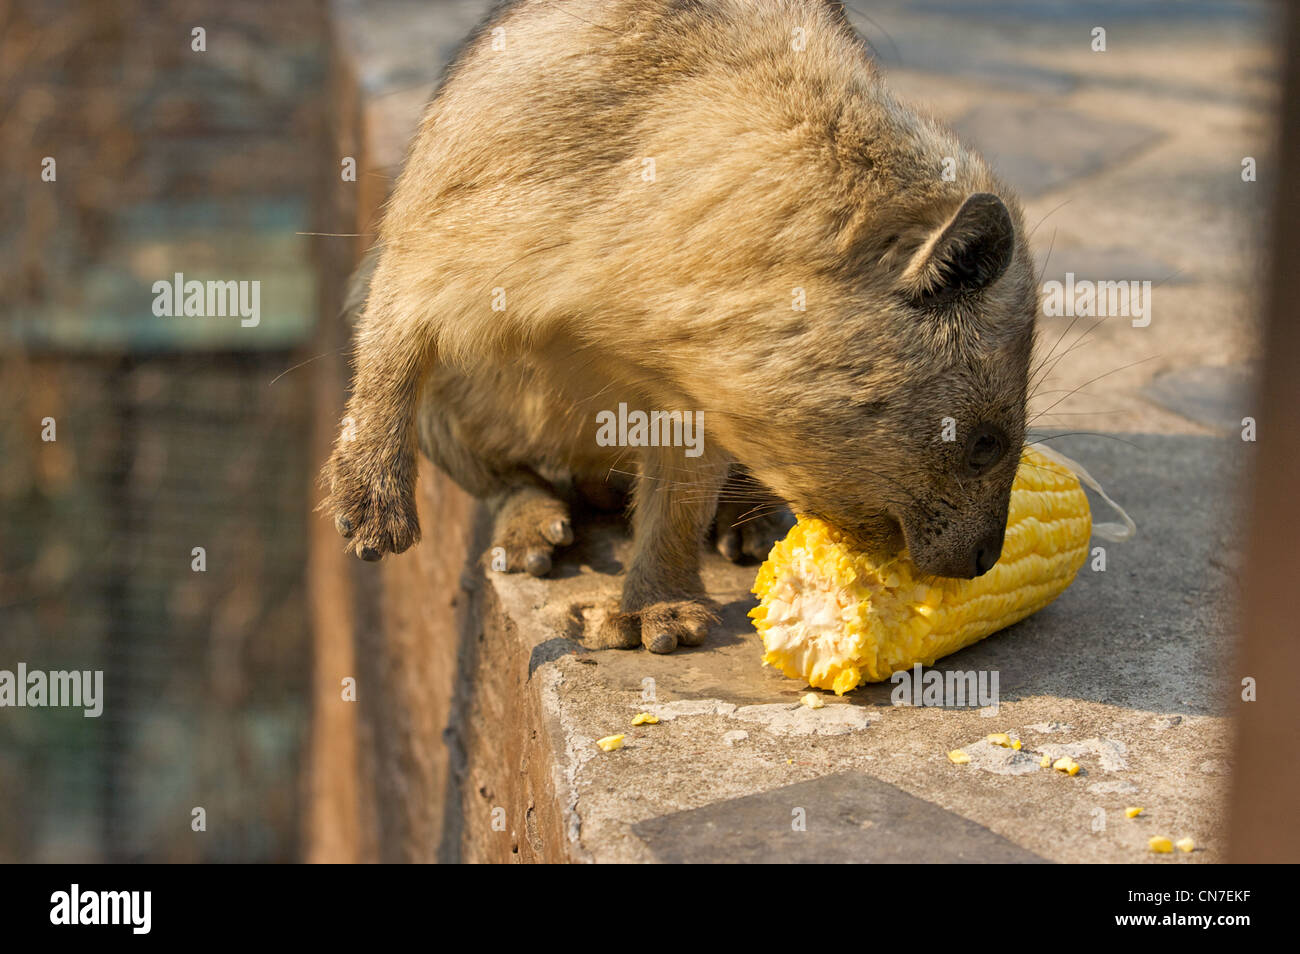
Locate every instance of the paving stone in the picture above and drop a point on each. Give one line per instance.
(926, 52)
(1218, 397)
(1100, 264)
(1038, 150)
(1094, 11)
(849, 816)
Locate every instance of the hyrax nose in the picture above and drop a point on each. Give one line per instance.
(987, 552)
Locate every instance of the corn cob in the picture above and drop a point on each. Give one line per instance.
(834, 616)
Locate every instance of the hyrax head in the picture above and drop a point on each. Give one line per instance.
(912, 416)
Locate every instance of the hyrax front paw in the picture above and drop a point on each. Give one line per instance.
(530, 523)
(659, 627)
(373, 501)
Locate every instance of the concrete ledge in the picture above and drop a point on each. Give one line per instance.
(1124, 672)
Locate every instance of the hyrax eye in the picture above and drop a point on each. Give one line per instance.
(986, 447)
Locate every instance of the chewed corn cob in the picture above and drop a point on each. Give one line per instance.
(834, 616)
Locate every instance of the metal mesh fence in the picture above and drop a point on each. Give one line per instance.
(170, 433)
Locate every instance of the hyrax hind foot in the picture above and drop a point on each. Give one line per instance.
(373, 501)
(659, 627)
(530, 523)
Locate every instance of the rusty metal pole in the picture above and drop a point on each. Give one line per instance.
(1265, 806)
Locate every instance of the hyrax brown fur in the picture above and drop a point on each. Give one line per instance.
(840, 286)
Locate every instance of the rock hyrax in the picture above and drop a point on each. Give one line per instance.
(708, 206)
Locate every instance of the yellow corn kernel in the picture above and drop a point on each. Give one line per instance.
(1067, 765)
(812, 701)
(958, 757)
(1133, 812)
(611, 742)
(1016, 745)
(1160, 845)
(1185, 845)
(1000, 738)
(1045, 761)
(645, 718)
(834, 616)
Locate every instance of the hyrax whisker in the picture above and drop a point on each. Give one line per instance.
(1047, 215)
(1047, 369)
(1099, 377)
(898, 58)
(1053, 437)
(1038, 366)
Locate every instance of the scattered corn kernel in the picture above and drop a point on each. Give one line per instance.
(645, 718)
(611, 742)
(1016, 745)
(1133, 812)
(958, 757)
(1045, 761)
(835, 616)
(1000, 738)
(1067, 765)
(813, 701)
(1160, 845)
(1185, 845)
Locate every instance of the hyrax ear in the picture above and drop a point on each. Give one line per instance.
(970, 252)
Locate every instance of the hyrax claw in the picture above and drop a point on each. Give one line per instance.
(530, 523)
(378, 516)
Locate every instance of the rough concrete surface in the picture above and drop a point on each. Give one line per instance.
(1127, 672)
(854, 816)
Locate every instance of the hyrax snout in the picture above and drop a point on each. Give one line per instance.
(709, 209)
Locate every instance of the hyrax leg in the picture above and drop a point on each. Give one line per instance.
(664, 604)
(751, 519)
(371, 474)
(530, 521)
(483, 453)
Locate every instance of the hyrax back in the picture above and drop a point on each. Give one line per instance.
(708, 206)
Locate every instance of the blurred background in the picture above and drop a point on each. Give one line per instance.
(175, 433)
(171, 433)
